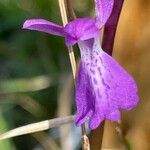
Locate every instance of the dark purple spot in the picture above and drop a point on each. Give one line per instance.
(101, 59)
(93, 65)
(92, 71)
(98, 93)
(99, 70)
(96, 61)
(95, 81)
(105, 84)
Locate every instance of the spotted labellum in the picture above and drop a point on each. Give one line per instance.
(103, 87)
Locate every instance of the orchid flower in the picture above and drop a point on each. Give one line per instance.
(103, 87)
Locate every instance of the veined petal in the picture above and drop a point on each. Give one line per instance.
(44, 26)
(84, 96)
(103, 10)
(108, 86)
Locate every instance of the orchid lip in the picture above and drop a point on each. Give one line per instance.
(102, 86)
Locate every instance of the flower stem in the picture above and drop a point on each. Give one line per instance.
(111, 27)
(107, 45)
(85, 140)
(96, 137)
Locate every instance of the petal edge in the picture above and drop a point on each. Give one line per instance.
(43, 26)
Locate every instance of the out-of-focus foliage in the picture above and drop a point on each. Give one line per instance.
(35, 73)
(7, 144)
(31, 67)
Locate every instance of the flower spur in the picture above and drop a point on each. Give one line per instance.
(103, 87)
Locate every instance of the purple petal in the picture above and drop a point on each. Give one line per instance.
(124, 93)
(44, 26)
(83, 91)
(108, 86)
(80, 29)
(103, 10)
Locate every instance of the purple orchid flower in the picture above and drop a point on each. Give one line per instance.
(103, 87)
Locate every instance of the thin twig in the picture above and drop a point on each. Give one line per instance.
(63, 12)
(73, 65)
(121, 135)
(72, 61)
(70, 9)
(36, 127)
(65, 21)
(85, 143)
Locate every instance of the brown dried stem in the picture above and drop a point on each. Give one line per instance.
(70, 9)
(36, 127)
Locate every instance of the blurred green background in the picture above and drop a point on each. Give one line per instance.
(36, 81)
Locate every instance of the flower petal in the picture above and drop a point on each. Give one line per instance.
(44, 26)
(103, 10)
(83, 96)
(80, 29)
(109, 86)
(122, 89)
(96, 120)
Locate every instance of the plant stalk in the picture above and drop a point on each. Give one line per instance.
(111, 27)
(107, 45)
